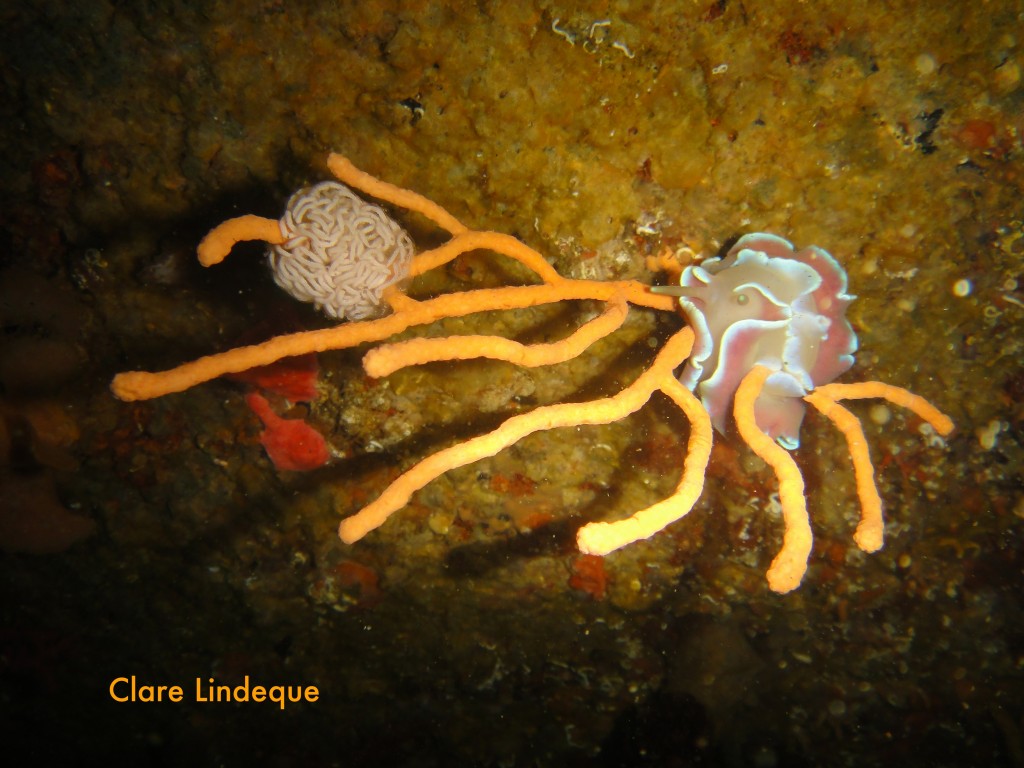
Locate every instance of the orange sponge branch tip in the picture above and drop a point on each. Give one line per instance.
(870, 530)
(217, 244)
(788, 568)
(347, 173)
(860, 390)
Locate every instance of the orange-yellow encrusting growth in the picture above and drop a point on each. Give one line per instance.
(614, 299)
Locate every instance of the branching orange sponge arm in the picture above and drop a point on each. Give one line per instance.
(492, 241)
(603, 411)
(347, 173)
(871, 528)
(142, 385)
(464, 239)
(221, 239)
(789, 566)
(602, 538)
(940, 422)
(388, 358)
(397, 300)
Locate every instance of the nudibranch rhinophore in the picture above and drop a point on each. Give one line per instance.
(765, 303)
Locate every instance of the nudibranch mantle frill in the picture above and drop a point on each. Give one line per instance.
(768, 304)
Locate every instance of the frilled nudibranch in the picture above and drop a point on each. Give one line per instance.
(771, 334)
(765, 303)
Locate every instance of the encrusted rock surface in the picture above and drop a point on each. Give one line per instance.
(467, 630)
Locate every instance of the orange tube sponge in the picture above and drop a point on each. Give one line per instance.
(603, 411)
(602, 538)
(347, 173)
(871, 527)
(141, 385)
(869, 532)
(388, 358)
(788, 568)
(219, 241)
(896, 395)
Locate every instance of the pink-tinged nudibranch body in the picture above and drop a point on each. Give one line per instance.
(764, 303)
